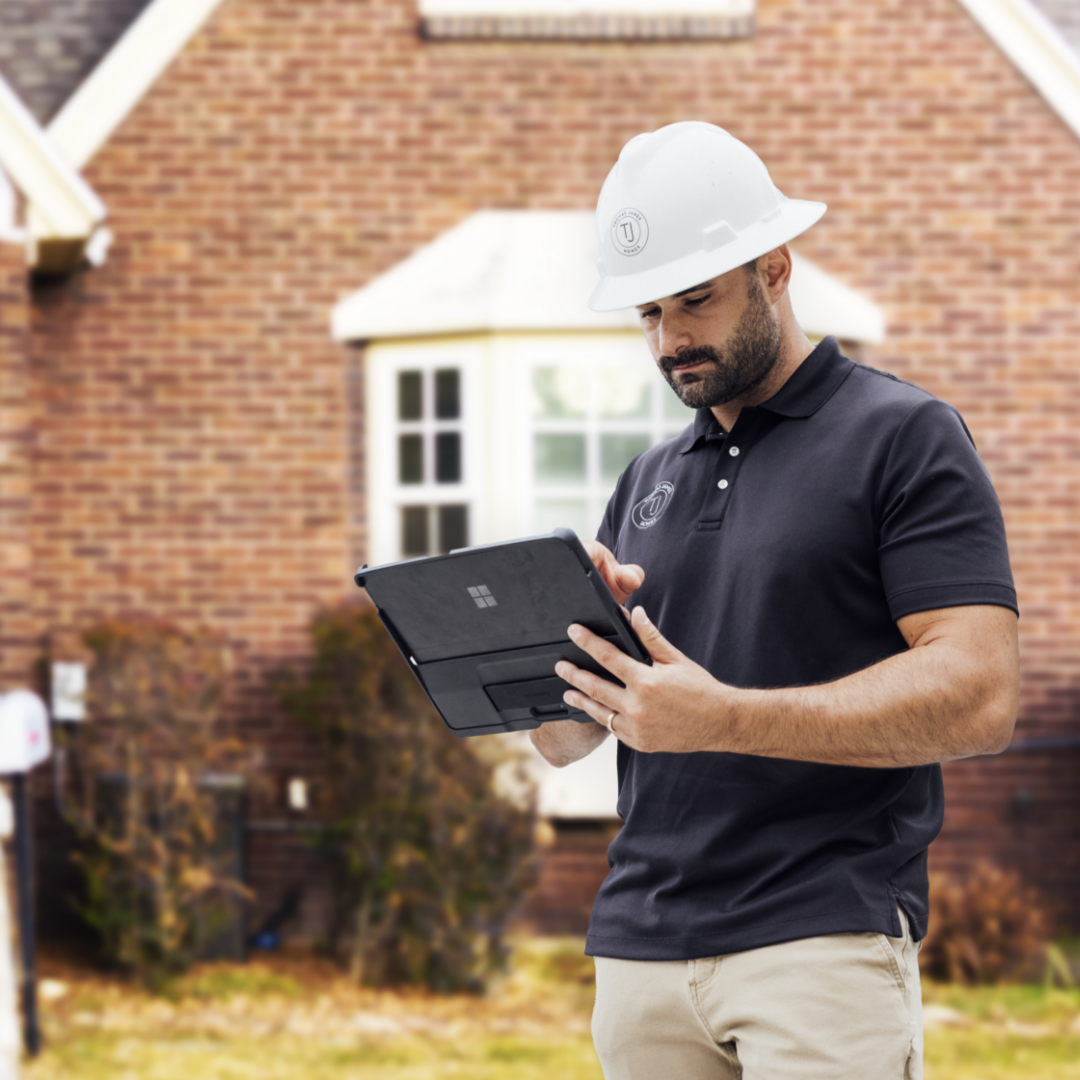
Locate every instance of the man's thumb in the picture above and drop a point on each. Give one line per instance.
(659, 647)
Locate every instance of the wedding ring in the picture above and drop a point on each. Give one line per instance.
(614, 713)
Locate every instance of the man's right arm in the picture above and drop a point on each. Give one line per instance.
(562, 742)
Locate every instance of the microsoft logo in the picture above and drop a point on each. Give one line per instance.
(481, 595)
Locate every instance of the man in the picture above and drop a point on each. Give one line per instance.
(820, 575)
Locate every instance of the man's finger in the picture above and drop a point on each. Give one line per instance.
(601, 690)
(658, 646)
(621, 580)
(631, 577)
(596, 709)
(607, 655)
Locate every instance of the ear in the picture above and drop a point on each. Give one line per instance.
(774, 268)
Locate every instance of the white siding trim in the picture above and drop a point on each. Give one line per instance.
(62, 205)
(104, 101)
(1028, 38)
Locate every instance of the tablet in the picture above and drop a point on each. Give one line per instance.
(483, 628)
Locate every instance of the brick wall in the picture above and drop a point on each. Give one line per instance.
(17, 631)
(194, 444)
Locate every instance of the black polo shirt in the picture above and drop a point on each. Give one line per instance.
(782, 554)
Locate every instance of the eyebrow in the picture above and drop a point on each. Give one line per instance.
(696, 288)
(685, 292)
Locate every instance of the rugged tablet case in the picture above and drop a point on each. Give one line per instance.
(483, 628)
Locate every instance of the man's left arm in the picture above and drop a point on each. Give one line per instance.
(953, 693)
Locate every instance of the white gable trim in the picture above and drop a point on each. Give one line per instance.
(63, 212)
(104, 101)
(1032, 42)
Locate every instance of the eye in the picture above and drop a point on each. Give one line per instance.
(697, 301)
(650, 313)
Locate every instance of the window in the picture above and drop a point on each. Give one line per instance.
(590, 19)
(419, 498)
(502, 436)
(591, 415)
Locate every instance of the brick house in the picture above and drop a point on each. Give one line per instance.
(182, 433)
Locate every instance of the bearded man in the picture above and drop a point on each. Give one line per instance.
(818, 568)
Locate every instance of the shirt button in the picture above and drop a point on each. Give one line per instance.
(722, 485)
(734, 451)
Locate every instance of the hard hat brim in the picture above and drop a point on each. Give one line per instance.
(617, 291)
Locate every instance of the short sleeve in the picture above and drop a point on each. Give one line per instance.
(941, 534)
(607, 534)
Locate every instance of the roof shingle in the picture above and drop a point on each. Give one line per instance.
(47, 47)
(1065, 15)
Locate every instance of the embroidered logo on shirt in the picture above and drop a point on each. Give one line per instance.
(647, 512)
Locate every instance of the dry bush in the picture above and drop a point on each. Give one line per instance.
(144, 799)
(428, 857)
(984, 929)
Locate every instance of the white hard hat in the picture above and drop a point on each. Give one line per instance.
(683, 205)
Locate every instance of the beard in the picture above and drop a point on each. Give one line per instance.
(745, 363)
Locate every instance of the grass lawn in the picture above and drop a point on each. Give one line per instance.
(299, 1018)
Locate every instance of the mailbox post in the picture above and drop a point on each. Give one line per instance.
(24, 743)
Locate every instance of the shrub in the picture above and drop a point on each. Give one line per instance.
(141, 804)
(983, 929)
(428, 859)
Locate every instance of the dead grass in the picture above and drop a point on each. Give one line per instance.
(298, 1018)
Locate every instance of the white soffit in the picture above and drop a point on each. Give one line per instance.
(1032, 42)
(507, 270)
(62, 204)
(825, 305)
(118, 83)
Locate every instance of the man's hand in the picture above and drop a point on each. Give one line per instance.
(952, 694)
(675, 706)
(621, 580)
(563, 742)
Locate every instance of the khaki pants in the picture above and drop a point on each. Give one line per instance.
(841, 1007)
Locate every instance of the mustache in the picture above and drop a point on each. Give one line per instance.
(697, 355)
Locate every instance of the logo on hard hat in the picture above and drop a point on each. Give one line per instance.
(629, 231)
(647, 512)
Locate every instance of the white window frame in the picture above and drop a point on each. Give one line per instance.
(571, 8)
(387, 496)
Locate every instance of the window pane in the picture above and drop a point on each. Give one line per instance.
(410, 395)
(674, 409)
(562, 513)
(448, 394)
(453, 528)
(448, 457)
(617, 451)
(414, 531)
(623, 391)
(560, 392)
(560, 459)
(410, 459)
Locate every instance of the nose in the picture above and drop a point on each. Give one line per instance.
(672, 337)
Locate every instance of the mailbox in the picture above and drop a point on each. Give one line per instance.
(24, 731)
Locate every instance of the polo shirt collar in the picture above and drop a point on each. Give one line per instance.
(813, 382)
